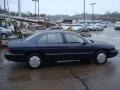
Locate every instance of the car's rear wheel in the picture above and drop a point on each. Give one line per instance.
(34, 61)
(101, 57)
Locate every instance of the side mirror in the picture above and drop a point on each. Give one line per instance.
(85, 42)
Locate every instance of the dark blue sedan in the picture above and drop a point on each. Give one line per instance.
(58, 46)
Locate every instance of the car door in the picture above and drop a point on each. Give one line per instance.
(52, 45)
(78, 48)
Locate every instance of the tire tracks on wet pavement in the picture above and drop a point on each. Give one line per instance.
(80, 79)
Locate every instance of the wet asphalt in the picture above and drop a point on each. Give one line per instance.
(65, 76)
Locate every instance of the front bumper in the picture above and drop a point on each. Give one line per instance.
(14, 57)
(113, 53)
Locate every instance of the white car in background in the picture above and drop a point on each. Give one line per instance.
(95, 27)
(65, 27)
(104, 24)
(76, 28)
(5, 32)
(117, 25)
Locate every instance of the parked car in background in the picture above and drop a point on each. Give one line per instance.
(56, 27)
(104, 24)
(4, 32)
(58, 46)
(77, 28)
(94, 27)
(74, 27)
(65, 27)
(40, 27)
(117, 25)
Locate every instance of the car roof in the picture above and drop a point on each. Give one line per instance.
(49, 31)
(54, 31)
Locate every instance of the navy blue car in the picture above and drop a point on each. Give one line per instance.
(58, 46)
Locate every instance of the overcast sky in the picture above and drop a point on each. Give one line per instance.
(70, 7)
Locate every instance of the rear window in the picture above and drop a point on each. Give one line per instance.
(54, 38)
(32, 36)
(51, 38)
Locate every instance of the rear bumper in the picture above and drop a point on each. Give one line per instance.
(14, 57)
(113, 53)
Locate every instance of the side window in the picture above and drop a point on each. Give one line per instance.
(43, 39)
(73, 38)
(54, 38)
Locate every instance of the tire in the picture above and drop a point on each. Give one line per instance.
(34, 61)
(4, 36)
(101, 57)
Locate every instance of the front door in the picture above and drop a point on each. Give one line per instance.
(77, 47)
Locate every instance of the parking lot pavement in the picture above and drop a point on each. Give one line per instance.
(67, 76)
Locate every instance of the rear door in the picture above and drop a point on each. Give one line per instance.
(52, 46)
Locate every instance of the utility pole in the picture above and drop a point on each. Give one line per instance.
(4, 5)
(8, 8)
(84, 11)
(0, 7)
(92, 4)
(19, 8)
(38, 10)
(35, 7)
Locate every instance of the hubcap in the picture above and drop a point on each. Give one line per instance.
(34, 61)
(101, 57)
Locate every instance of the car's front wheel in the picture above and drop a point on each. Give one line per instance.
(101, 57)
(34, 61)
